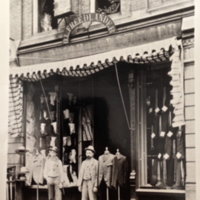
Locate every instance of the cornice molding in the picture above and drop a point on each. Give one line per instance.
(56, 38)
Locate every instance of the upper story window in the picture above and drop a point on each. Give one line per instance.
(46, 14)
(47, 21)
(108, 6)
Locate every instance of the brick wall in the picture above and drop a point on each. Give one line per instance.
(27, 18)
(75, 6)
(85, 6)
(15, 19)
(139, 4)
(190, 118)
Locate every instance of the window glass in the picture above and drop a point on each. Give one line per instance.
(47, 21)
(108, 6)
(163, 162)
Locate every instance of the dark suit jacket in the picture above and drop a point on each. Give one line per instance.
(120, 171)
(105, 168)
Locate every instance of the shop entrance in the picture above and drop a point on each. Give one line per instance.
(74, 112)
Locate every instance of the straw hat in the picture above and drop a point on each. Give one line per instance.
(55, 149)
(90, 148)
(21, 149)
(23, 170)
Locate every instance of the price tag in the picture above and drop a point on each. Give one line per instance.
(166, 156)
(153, 135)
(164, 108)
(169, 134)
(178, 155)
(162, 134)
(159, 155)
(157, 110)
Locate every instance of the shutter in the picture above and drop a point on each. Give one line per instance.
(62, 8)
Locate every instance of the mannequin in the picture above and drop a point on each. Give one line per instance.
(105, 172)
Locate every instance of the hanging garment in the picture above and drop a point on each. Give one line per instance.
(87, 134)
(66, 113)
(66, 179)
(105, 168)
(120, 171)
(65, 126)
(52, 115)
(71, 128)
(67, 141)
(179, 169)
(36, 168)
(53, 96)
(42, 128)
(54, 142)
(72, 156)
(69, 174)
(30, 118)
(49, 129)
(87, 123)
(54, 125)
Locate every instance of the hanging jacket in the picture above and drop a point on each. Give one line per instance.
(119, 171)
(36, 167)
(105, 168)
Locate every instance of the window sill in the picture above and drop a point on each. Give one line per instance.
(45, 187)
(146, 191)
(171, 6)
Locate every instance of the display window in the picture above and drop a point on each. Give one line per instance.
(161, 146)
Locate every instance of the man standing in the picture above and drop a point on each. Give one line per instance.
(87, 182)
(54, 175)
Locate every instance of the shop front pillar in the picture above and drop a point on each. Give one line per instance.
(131, 86)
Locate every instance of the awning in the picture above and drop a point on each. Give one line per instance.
(147, 53)
(153, 52)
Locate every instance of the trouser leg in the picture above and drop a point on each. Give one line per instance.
(84, 190)
(50, 191)
(92, 195)
(58, 195)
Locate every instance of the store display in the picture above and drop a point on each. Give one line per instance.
(165, 168)
(36, 167)
(105, 167)
(120, 170)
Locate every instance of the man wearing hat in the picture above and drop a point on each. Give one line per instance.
(87, 181)
(54, 175)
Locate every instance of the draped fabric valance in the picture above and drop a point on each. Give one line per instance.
(153, 52)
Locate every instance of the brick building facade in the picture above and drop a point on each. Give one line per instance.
(138, 23)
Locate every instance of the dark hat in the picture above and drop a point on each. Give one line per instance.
(90, 148)
(55, 149)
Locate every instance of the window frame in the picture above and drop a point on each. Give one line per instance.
(141, 132)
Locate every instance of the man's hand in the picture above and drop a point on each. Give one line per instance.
(61, 185)
(94, 189)
(79, 189)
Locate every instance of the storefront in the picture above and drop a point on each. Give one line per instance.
(126, 95)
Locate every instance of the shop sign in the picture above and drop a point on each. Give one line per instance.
(89, 17)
